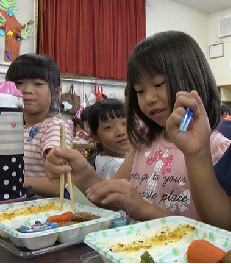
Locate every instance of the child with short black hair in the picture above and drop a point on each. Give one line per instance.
(225, 111)
(78, 129)
(38, 78)
(84, 118)
(108, 125)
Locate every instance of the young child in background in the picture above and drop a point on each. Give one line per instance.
(38, 79)
(84, 118)
(153, 181)
(78, 129)
(224, 126)
(225, 111)
(108, 126)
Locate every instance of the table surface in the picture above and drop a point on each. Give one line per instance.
(69, 255)
(84, 146)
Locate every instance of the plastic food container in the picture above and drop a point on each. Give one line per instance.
(104, 241)
(23, 214)
(91, 257)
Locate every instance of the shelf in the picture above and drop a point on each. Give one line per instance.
(225, 85)
(225, 93)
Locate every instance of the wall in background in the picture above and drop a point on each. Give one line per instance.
(24, 13)
(163, 15)
(221, 67)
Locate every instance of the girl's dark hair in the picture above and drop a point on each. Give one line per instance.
(103, 110)
(84, 113)
(126, 90)
(77, 121)
(225, 108)
(36, 66)
(179, 58)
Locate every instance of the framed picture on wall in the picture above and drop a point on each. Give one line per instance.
(216, 50)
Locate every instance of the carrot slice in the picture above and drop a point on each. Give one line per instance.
(202, 251)
(65, 217)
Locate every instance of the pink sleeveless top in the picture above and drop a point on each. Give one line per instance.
(160, 176)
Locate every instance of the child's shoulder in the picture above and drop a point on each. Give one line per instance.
(51, 121)
(218, 144)
(217, 138)
(108, 159)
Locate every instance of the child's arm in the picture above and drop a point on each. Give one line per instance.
(120, 194)
(211, 201)
(42, 186)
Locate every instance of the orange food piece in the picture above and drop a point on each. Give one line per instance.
(202, 251)
(65, 217)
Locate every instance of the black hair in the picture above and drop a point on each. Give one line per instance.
(126, 91)
(178, 57)
(84, 113)
(76, 122)
(224, 109)
(103, 110)
(36, 66)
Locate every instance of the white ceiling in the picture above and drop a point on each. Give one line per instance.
(206, 6)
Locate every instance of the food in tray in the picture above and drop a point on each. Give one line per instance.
(156, 240)
(65, 217)
(57, 221)
(202, 251)
(83, 217)
(28, 210)
(73, 218)
(78, 218)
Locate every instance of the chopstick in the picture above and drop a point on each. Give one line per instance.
(63, 146)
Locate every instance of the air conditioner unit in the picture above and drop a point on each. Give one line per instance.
(225, 27)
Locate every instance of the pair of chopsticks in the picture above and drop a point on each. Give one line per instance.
(63, 146)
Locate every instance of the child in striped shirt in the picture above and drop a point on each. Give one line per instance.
(38, 78)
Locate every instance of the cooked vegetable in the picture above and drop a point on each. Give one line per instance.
(146, 258)
(227, 258)
(203, 251)
(65, 217)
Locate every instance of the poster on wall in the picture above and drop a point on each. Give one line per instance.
(16, 29)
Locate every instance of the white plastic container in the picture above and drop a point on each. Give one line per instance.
(219, 237)
(68, 234)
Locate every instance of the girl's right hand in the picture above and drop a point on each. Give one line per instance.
(197, 136)
(56, 160)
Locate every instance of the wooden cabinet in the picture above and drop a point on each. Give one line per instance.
(225, 92)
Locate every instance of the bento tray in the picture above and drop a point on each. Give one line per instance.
(177, 253)
(26, 253)
(71, 234)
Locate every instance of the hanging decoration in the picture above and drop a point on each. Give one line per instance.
(13, 31)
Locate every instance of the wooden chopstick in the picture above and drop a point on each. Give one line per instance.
(63, 146)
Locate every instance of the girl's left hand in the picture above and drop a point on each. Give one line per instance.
(197, 136)
(120, 193)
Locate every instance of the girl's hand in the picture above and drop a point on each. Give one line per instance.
(197, 136)
(120, 193)
(56, 160)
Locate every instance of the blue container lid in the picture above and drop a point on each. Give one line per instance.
(118, 222)
(38, 227)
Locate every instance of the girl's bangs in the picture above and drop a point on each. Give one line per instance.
(28, 70)
(143, 63)
(112, 111)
